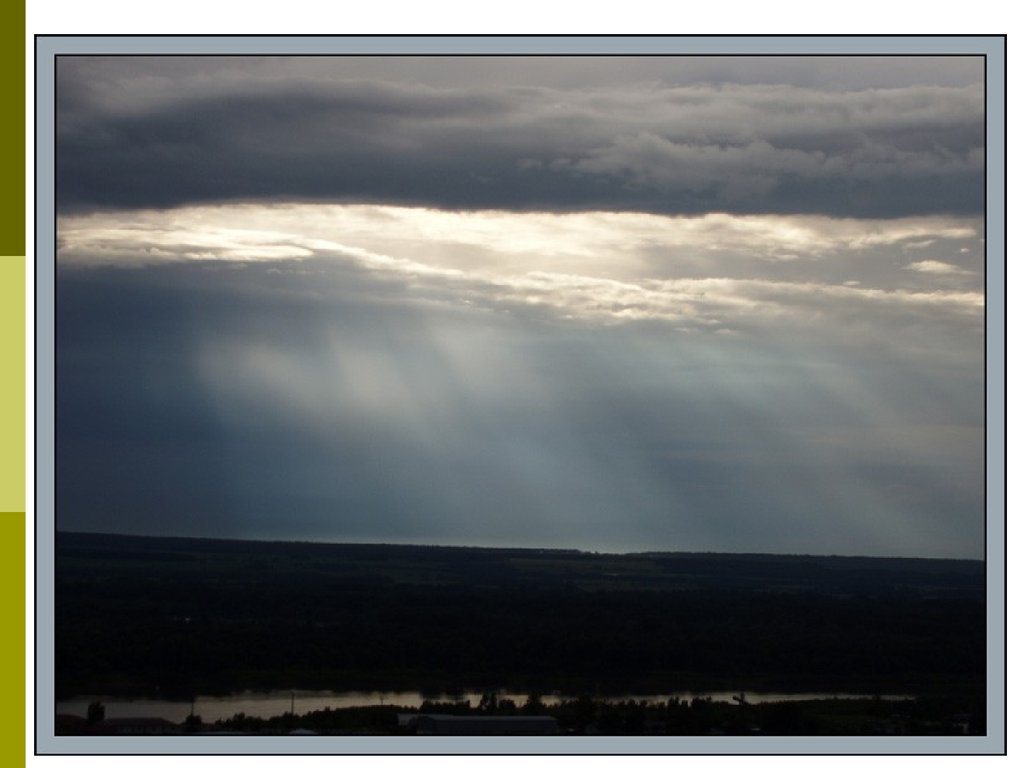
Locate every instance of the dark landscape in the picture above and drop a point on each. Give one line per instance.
(179, 617)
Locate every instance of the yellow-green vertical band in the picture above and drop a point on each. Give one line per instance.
(12, 384)
(12, 639)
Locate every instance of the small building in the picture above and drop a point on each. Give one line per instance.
(484, 725)
(408, 719)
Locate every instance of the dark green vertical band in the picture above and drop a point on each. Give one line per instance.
(12, 129)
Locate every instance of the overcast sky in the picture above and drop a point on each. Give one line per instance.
(727, 304)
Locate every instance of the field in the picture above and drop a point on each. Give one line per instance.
(182, 617)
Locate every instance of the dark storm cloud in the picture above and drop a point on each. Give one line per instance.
(667, 135)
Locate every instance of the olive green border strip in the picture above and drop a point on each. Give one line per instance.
(12, 129)
(12, 639)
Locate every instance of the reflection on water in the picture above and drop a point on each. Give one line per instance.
(265, 705)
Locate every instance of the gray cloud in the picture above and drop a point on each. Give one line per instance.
(142, 132)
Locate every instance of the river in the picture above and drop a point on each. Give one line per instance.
(273, 703)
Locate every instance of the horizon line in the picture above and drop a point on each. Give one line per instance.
(565, 549)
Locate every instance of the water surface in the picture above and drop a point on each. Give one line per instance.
(273, 703)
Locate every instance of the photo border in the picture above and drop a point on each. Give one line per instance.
(992, 47)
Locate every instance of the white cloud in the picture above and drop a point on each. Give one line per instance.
(933, 267)
(713, 270)
(588, 242)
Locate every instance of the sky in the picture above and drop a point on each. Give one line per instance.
(613, 304)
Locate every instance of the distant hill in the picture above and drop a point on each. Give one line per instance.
(479, 566)
(176, 616)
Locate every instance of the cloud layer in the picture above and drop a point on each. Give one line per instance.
(153, 132)
(714, 272)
